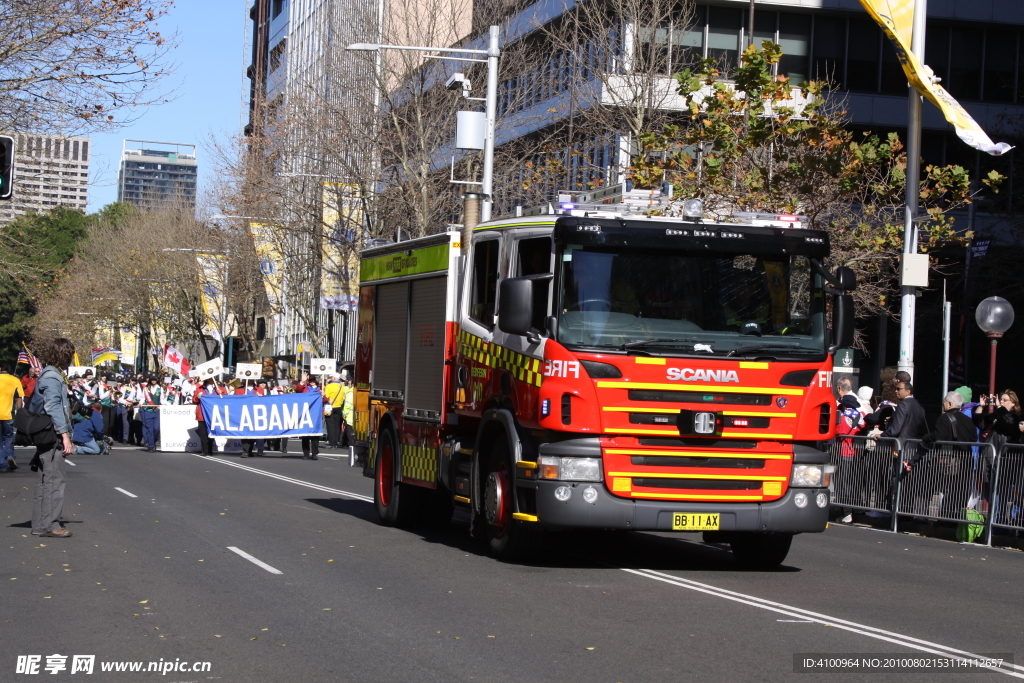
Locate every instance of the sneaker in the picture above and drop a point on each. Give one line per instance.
(11, 465)
(848, 519)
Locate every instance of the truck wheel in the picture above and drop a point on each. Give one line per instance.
(508, 540)
(760, 551)
(396, 503)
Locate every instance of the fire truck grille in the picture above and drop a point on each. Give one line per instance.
(704, 397)
(715, 463)
(698, 484)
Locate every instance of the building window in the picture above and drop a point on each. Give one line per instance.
(261, 328)
(277, 55)
(277, 8)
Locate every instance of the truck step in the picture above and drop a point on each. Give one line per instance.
(462, 488)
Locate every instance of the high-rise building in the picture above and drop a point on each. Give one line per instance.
(157, 174)
(49, 171)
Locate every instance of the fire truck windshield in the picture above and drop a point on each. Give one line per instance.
(684, 302)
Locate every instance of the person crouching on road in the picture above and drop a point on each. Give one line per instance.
(51, 397)
(87, 434)
(152, 396)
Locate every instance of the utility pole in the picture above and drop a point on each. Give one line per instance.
(909, 294)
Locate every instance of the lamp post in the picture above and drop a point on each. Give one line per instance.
(994, 316)
(491, 54)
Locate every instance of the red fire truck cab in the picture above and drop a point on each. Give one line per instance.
(589, 368)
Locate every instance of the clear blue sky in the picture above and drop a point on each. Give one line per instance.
(209, 79)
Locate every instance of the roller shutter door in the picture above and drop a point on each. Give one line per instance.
(426, 345)
(390, 334)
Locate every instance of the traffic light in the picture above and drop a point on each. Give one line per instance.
(6, 167)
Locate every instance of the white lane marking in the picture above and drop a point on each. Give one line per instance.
(825, 620)
(357, 496)
(125, 492)
(258, 563)
(70, 463)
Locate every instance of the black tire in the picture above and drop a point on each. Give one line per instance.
(508, 540)
(397, 504)
(760, 551)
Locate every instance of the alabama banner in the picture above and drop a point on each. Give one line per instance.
(896, 18)
(268, 251)
(259, 417)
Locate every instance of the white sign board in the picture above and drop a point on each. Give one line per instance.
(248, 371)
(80, 370)
(322, 366)
(178, 429)
(211, 368)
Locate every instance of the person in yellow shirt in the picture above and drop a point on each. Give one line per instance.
(11, 393)
(333, 397)
(348, 412)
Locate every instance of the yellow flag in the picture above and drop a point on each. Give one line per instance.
(896, 18)
(267, 241)
(342, 220)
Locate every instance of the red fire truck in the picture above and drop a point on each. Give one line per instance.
(593, 367)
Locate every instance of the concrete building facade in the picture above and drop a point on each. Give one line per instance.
(153, 174)
(49, 171)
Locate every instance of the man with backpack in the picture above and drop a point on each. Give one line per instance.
(951, 465)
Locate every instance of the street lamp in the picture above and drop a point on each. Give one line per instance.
(492, 53)
(994, 316)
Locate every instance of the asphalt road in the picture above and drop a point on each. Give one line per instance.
(155, 575)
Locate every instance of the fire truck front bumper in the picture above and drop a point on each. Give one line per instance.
(598, 508)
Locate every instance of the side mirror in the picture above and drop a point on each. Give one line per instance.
(515, 305)
(847, 278)
(842, 323)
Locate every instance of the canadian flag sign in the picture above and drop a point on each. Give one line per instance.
(175, 360)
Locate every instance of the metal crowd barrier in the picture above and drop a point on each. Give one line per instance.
(1008, 488)
(943, 481)
(865, 472)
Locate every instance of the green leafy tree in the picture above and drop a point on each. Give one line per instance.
(756, 143)
(35, 250)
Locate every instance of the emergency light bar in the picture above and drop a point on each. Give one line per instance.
(771, 220)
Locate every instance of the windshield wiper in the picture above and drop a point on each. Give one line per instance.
(644, 342)
(758, 347)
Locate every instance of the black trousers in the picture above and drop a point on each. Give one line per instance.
(333, 422)
(349, 436)
(109, 420)
(247, 445)
(310, 443)
(204, 439)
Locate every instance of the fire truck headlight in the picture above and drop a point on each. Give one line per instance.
(548, 466)
(821, 499)
(563, 493)
(581, 469)
(590, 494)
(808, 476)
(800, 500)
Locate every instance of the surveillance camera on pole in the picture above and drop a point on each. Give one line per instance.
(458, 80)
